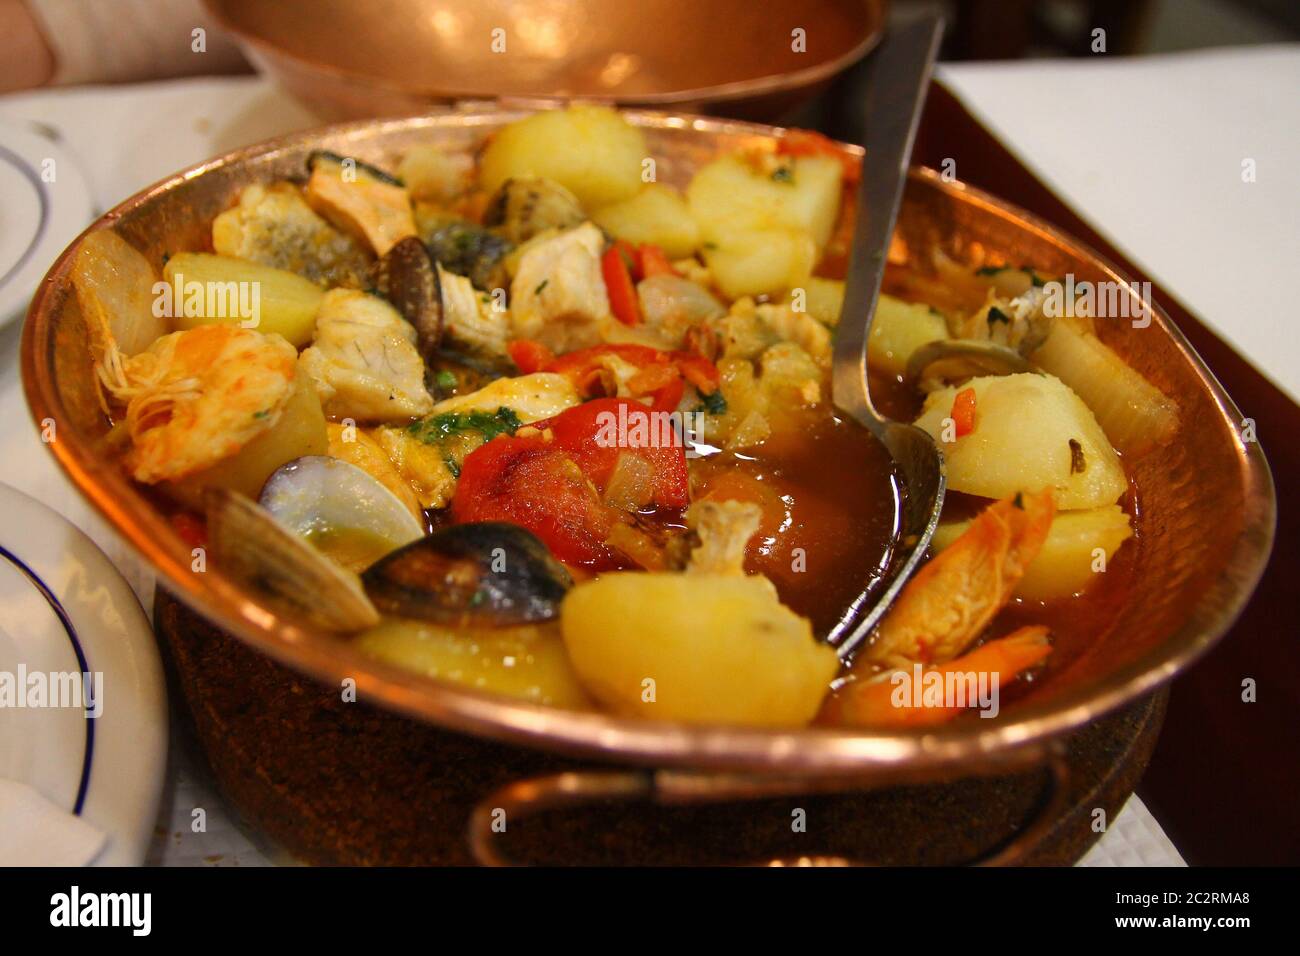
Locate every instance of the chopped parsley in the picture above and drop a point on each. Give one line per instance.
(783, 174)
(262, 414)
(540, 286)
(1019, 501)
(437, 428)
(452, 464)
(713, 403)
(445, 379)
(997, 315)
(989, 270)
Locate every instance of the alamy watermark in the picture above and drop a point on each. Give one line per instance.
(1098, 300)
(633, 427)
(182, 298)
(945, 689)
(70, 690)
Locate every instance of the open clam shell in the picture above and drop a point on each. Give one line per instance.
(344, 511)
(290, 576)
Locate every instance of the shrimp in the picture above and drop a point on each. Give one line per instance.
(954, 596)
(878, 703)
(196, 397)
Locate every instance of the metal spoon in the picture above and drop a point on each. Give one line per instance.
(898, 79)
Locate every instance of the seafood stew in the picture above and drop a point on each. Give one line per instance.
(534, 422)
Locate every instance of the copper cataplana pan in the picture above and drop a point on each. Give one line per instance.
(1204, 520)
(736, 57)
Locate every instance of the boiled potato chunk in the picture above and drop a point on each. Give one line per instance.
(899, 329)
(657, 215)
(735, 193)
(528, 662)
(300, 430)
(1030, 432)
(1069, 560)
(699, 648)
(591, 150)
(823, 299)
(760, 262)
(219, 289)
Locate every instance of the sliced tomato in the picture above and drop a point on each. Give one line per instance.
(529, 356)
(652, 261)
(597, 433)
(618, 283)
(539, 486)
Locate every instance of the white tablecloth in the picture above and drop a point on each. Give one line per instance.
(1150, 151)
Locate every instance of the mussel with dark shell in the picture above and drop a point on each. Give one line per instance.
(469, 250)
(488, 574)
(408, 278)
(524, 207)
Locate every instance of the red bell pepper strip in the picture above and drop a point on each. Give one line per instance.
(630, 258)
(963, 412)
(699, 371)
(618, 283)
(653, 261)
(529, 356)
(583, 368)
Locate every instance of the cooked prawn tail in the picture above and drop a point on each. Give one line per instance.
(955, 595)
(872, 703)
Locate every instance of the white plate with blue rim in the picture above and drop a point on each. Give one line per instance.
(44, 204)
(64, 611)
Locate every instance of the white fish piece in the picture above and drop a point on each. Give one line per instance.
(469, 319)
(273, 226)
(558, 295)
(363, 360)
(531, 397)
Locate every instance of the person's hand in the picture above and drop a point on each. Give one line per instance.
(27, 58)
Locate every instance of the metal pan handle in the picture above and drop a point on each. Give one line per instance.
(566, 791)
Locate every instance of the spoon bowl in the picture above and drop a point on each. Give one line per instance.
(899, 78)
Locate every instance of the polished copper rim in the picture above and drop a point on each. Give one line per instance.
(717, 93)
(813, 751)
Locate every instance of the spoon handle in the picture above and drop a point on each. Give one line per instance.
(897, 81)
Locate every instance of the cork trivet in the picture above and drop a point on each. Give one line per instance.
(346, 783)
